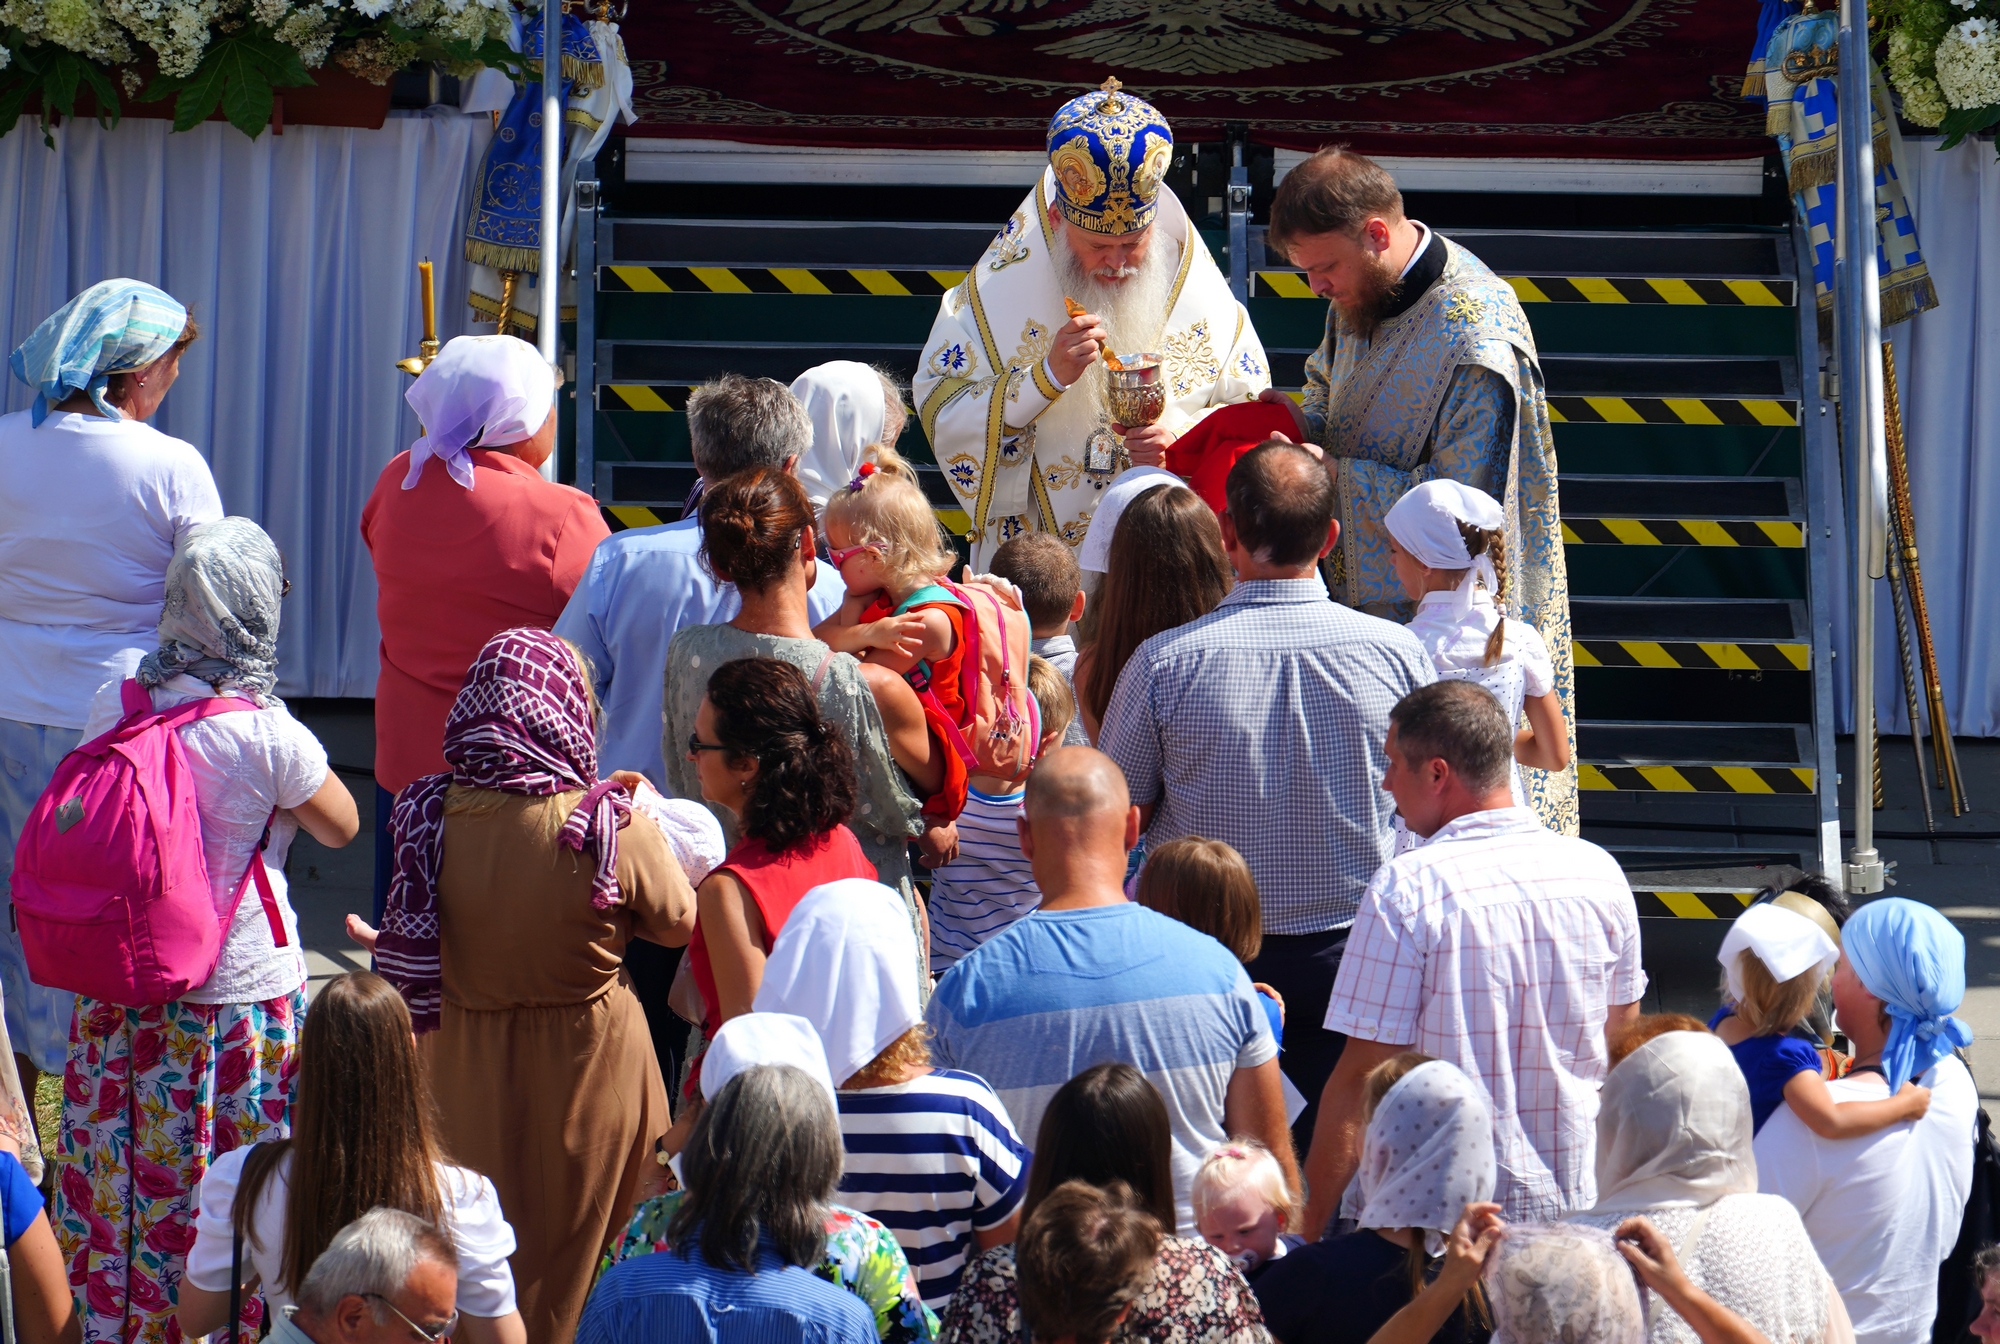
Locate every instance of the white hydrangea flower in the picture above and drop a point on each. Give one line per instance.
(1923, 103)
(1968, 71)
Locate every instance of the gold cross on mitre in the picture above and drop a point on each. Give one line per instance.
(1110, 88)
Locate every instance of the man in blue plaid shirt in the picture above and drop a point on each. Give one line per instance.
(1263, 725)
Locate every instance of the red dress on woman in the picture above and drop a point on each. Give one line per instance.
(777, 882)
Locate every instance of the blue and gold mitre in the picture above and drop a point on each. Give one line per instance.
(1110, 153)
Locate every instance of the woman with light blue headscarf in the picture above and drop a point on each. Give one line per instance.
(92, 500)
(1884, 1210)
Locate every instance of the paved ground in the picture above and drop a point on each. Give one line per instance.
(1957, 876)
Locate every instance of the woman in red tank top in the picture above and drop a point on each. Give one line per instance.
(763, 751)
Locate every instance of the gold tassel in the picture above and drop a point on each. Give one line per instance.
(482, 253)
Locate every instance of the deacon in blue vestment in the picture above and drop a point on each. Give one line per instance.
(1427, 371)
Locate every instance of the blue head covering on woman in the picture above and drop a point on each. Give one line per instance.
(115, 326)
(1910, 957)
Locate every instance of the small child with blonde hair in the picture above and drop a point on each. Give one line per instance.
(1242, 1206)
(904, 613)
(1774, 960)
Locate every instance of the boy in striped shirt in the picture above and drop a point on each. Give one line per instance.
(989, 885)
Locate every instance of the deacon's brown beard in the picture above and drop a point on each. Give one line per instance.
(1377, 287)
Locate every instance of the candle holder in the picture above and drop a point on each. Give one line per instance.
(427, 348)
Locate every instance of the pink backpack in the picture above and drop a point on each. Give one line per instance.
(111, 891)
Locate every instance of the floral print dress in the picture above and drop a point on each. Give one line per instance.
(150, 1097)
(1196, 1297)
(861, 1256)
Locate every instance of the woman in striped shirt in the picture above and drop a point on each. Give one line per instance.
(931, 1153)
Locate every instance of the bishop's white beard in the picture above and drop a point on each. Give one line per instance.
(1134, 313)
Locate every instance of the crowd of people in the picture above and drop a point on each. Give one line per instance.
(777, 923)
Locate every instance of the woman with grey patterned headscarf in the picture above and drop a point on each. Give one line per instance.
(220, 622)
(211, 1072)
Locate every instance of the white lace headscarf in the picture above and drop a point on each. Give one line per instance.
(1563, 1284)
(1673, 1127)
(1427, 1154)
(220, 622)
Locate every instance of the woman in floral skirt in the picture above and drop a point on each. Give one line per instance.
(151, 1095)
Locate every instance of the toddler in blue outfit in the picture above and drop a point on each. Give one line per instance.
(1773, 961)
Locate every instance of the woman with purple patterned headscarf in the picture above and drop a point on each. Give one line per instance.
(519, 879)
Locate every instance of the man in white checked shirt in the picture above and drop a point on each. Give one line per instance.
(1499, 945)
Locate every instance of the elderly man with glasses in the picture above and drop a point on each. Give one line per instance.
(388, 1277)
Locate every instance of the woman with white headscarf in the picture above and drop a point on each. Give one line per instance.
(152, 1094)
(932, 1151)
(1426, 1156)
(1673, 1146)
(92, 500)
(853, 407)
(468, 540)
(861, 1255)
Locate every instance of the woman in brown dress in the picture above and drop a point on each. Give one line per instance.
(519, 881)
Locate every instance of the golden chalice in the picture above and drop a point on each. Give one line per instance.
(1137, 394)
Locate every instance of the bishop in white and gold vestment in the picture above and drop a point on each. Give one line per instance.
(1022, 450)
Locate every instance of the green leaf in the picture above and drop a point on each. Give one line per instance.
(12, 99)
(1961, 122)
(108, 110)
(199, 94)
(59, 84)
(246, 99)
(161, 86)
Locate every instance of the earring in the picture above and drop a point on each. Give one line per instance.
(142, 382)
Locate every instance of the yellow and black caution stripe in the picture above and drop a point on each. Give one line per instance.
(637, 515)
(1676, 653)
(1591, 289)
(1704, 904)
(1673, 411)
(1688, 778)
(643, 396)
(1756, 532)
(897, 283)
(1682, 293)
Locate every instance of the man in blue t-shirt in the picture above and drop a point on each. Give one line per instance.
(1091, 978)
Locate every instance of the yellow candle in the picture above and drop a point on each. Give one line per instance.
(430, 301)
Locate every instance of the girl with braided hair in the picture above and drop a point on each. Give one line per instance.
(1448, 542)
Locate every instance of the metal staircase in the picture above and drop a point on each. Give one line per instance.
(1673, 363)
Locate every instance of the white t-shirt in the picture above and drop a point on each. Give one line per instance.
(89, 510)
(1883, 1210)
(478, 1231)
(244, 764)
(1458, 644)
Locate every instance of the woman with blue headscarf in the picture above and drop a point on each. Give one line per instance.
(1884, 1210)
(92, 501)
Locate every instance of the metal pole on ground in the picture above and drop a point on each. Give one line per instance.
(548, 285)
(1858, 314)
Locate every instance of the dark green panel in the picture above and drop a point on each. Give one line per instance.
(661, 436)
(1677, 450)
(1700, 695)
(845, 318)
(1687, 571)
(1289, 324)
(1661, 329)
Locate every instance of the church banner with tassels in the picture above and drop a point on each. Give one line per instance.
(503, 234)
(1797, 67)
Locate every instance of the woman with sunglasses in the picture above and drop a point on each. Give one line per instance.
(757, 532)
(363, 1137)
(785, 774)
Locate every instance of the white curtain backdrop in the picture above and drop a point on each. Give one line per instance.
(1948, 365)
(297, 254)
